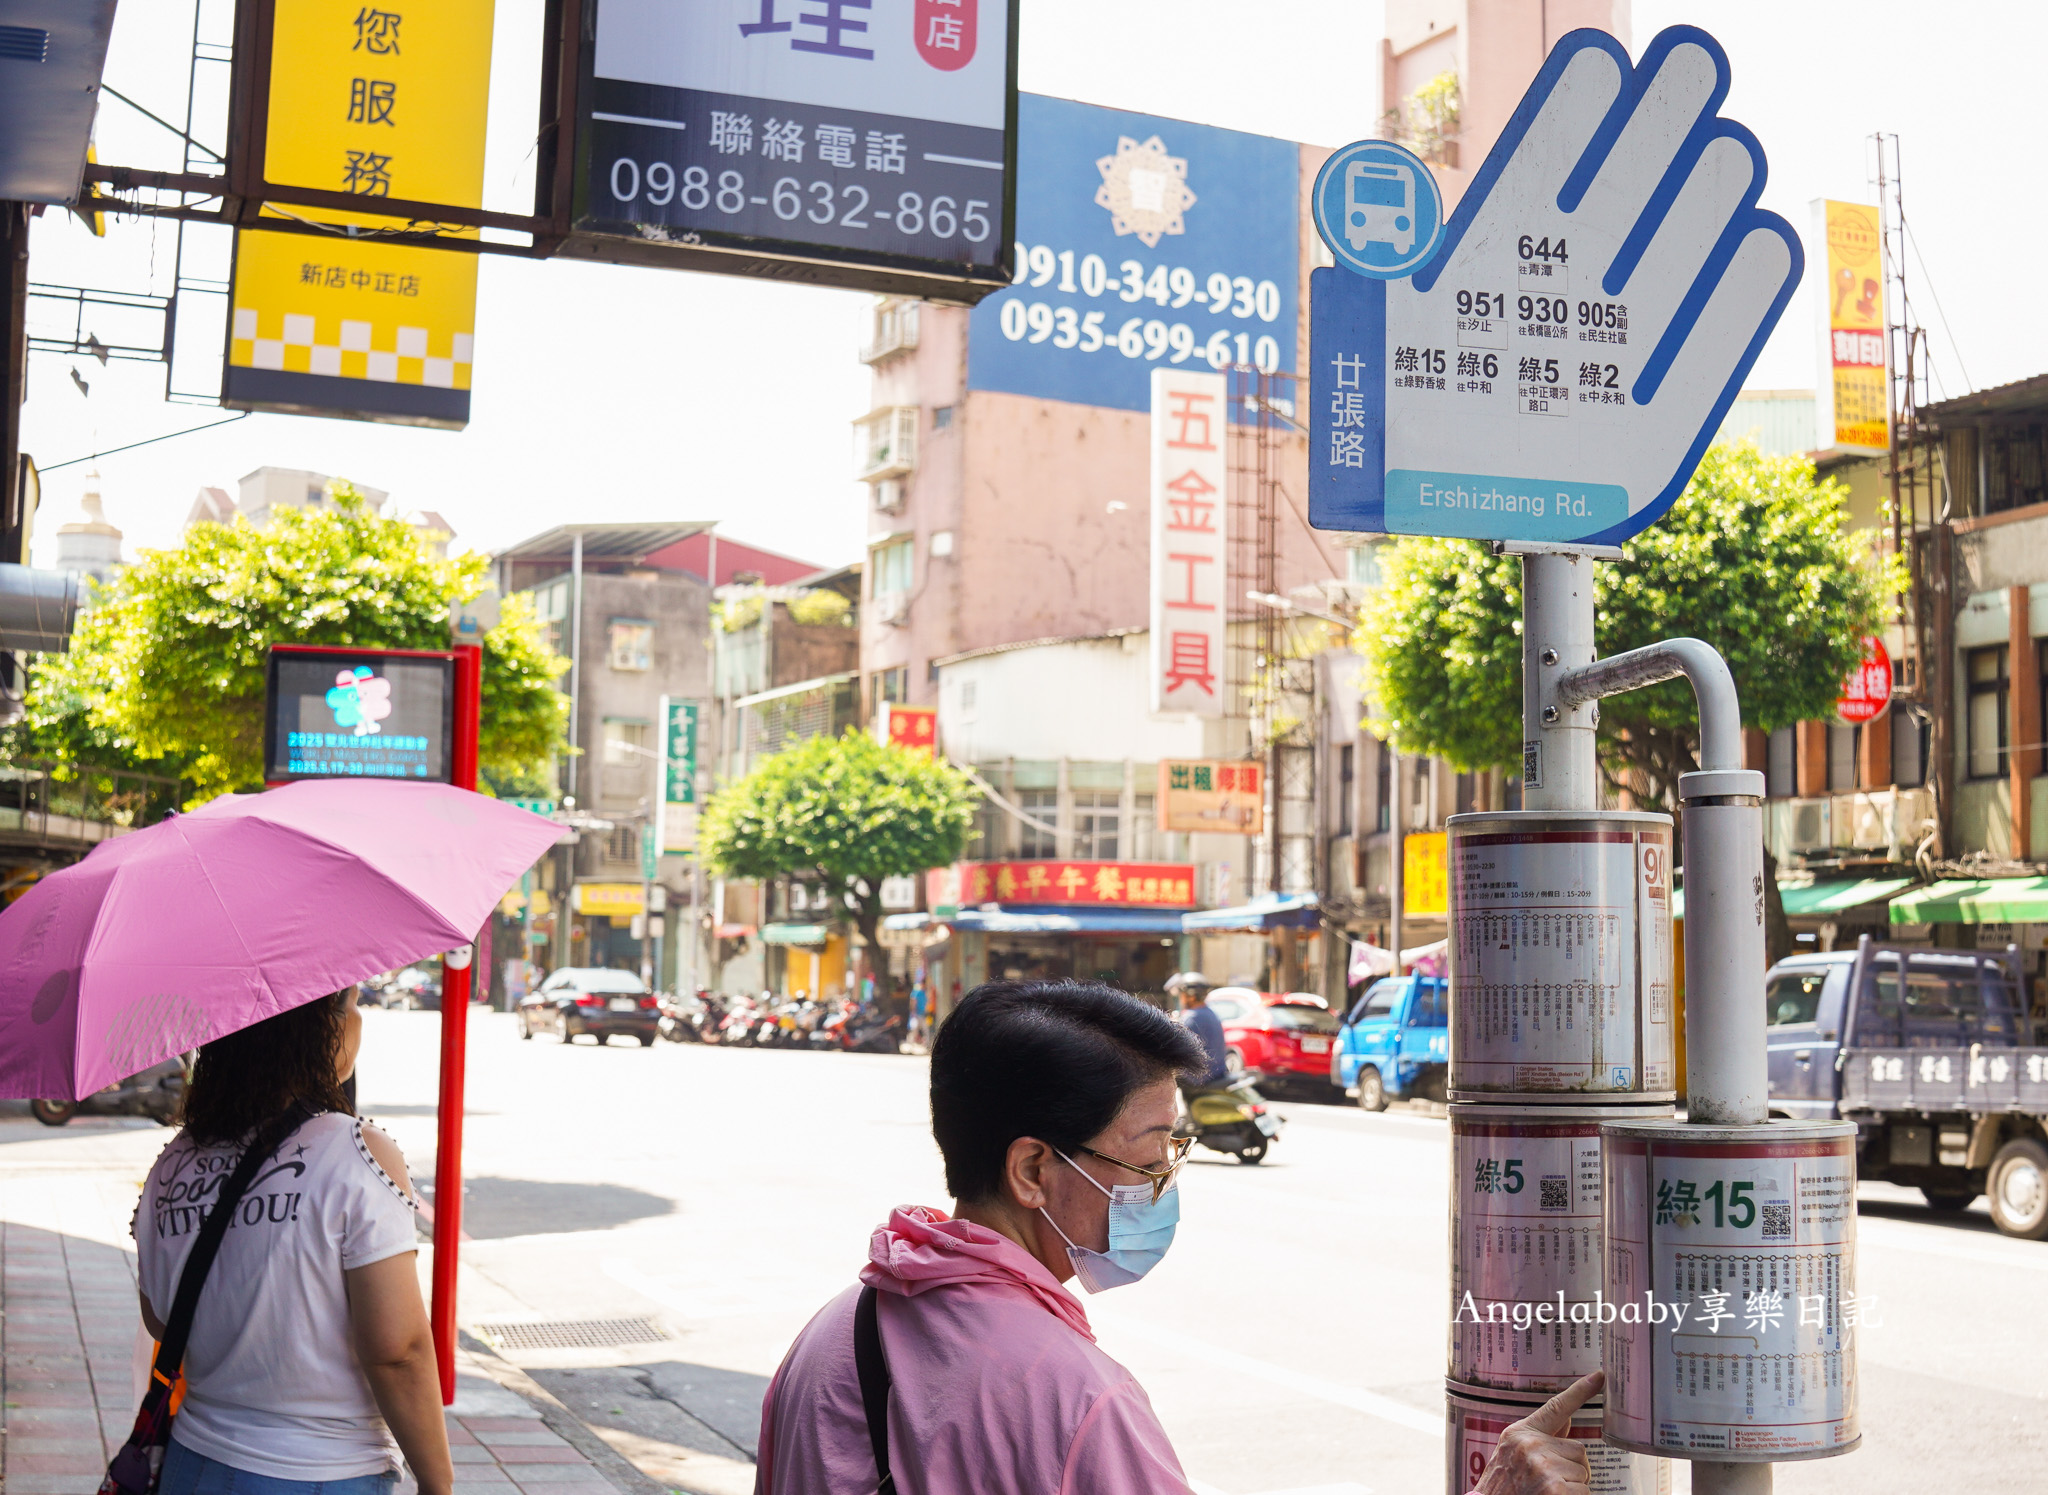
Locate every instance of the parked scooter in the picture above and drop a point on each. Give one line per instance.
(1231, 1117)
(155, 1093)
(683, 1018)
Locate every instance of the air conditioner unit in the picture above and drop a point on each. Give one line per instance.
(894, 608)
(889, 495)
(1811, 827)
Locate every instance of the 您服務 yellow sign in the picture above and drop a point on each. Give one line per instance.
(381, 103)
(1854, 401)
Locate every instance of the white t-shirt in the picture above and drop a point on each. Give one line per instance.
(272, 1381)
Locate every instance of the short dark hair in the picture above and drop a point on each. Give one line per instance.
(1055, 1060)
(247, 1078)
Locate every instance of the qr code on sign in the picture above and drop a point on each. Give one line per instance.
(1778, 1221)
(1554, 1194)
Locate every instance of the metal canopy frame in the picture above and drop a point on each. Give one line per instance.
(237, 196)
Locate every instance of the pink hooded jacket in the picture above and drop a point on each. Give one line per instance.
(998, 1388)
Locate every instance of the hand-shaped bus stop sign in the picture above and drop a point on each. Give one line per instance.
(1553, 370)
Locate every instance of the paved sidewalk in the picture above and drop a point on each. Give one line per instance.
(68, 1343)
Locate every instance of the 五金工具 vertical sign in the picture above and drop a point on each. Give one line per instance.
(385, 99)
(1189, 561)
(1852, 404)
(865, 143)
(678, 775)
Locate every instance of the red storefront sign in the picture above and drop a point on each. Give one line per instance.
(1090, 884)
(912, 727)
(1868, 690)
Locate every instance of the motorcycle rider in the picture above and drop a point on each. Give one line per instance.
(1200, 1019)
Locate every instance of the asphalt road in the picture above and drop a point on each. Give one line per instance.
(1293, 1340)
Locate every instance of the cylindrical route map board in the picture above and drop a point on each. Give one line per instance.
(1560, 949)
(1736, 1246)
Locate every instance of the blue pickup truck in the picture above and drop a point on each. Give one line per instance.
(1395, 1042)
(1930, 1053)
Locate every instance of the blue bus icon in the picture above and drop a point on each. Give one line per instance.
(1378, 208)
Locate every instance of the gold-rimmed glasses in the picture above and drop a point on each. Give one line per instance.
(1161, 1177)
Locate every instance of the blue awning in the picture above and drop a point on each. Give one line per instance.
(1048, 921)
(1267, 911)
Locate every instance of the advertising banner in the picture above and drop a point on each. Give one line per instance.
(380, 103)
(1853, 402)
(1211, 797)
(1099, 884)
(1142, 243)
(1425, 874)
(1190, 564)
(677, 771)
(862, 132)
(358, 713)
(913, 728)
(1867, 693)
(616, 900)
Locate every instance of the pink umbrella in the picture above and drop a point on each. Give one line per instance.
(254, 903)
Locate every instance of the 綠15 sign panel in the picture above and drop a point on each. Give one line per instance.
(862, 143)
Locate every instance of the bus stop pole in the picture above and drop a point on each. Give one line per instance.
(455, 986)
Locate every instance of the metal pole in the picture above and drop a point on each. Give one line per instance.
(1397, 791)
(1560, 770)
(575, 654)
(455, 979)
(1721, 806)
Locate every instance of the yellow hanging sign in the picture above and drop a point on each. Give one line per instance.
(378, 102)
(1854, 404)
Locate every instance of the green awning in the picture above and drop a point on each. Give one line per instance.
(1984, 900)
(793, 934)
(1812, 900)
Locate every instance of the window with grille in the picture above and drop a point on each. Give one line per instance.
(1988, 688)
(1097, 817)
(622, 844)
(1042, 805)
(892, 563)
(630, 644)
(627, 743)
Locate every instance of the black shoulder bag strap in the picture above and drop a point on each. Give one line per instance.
(873, 1367)
(136, 1466)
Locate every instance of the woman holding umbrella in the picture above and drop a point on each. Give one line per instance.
(310, 1367)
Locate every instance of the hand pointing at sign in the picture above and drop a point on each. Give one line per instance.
(1557, 365)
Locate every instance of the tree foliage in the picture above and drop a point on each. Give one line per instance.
(166, 669)
(845, 812)
(1754, 558)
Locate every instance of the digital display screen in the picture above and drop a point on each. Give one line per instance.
(358, 713)
(861, 126)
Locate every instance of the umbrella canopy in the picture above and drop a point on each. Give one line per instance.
(254, 903)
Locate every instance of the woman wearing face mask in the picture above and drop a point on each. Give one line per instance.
(962, 1365)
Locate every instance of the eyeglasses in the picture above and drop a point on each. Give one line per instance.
(1161, 1177)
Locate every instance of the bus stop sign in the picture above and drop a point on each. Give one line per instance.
(1554, 368)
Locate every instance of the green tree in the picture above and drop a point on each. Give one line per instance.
(166, 669)
(1754, 558)
(845, 812)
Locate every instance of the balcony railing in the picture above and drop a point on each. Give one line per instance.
(69, 805)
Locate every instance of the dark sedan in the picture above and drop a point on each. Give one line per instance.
(582, 999)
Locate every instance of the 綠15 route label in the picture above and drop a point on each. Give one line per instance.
(1553, 367)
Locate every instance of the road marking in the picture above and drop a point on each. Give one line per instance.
(1357, 1398)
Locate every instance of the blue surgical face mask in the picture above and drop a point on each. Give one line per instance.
(1140, 1230)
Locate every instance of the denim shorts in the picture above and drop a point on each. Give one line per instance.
(189, 1473)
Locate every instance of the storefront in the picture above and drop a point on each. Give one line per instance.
(806, 960)
(1290, 936)
(607, 929)
(1987, 914)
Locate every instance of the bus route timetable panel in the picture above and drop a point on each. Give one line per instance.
(842, 127)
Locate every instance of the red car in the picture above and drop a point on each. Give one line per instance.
(1279, 1038)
